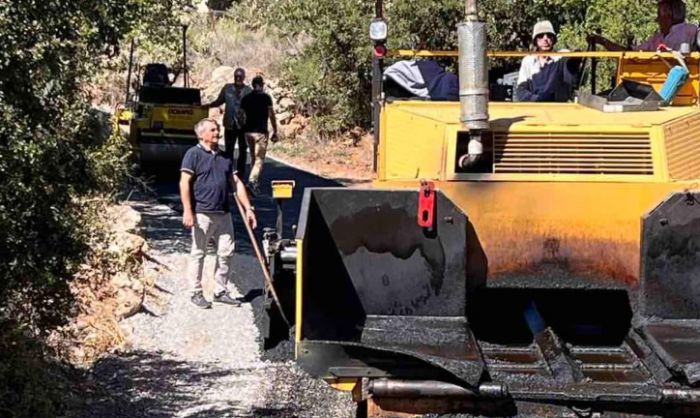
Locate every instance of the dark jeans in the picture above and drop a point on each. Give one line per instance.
(231, 136)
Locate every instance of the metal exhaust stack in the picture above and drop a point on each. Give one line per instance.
(473, 82)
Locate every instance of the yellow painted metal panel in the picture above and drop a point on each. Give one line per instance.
(282, 189)
(412, 145)
(555, 117)
(659, 154)
(596, 226)
(345, 385)
(141, 123)
(178, 116)
(381, 158)
(682, 140)
(651, 70)
(299, 296)
(538, 142)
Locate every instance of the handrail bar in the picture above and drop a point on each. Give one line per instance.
(425, 53)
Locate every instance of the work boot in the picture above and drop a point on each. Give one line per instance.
(198, 300)
(224, 297)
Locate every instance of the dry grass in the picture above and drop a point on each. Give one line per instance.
(227, 44)
(209, 46)
(348, 161)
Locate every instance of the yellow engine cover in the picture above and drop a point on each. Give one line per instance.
(567, 187)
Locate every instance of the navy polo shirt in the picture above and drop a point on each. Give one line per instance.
(211, 171)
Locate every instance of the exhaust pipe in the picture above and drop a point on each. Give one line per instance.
(473, 82)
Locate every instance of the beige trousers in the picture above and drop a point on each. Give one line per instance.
(257, 143)
(218, 226)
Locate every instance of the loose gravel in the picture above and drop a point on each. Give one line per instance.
(183, 361)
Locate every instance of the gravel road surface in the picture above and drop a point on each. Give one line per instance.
(183, 361)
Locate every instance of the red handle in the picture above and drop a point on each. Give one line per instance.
(426, 204)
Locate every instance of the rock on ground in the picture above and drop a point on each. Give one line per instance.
(187, 362)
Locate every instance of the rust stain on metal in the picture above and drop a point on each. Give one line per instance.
(528, 252)
(551, 248)
(410, 408)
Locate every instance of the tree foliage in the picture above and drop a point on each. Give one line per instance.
(54, 151)
(334, 64)
(52, 147)
(331, 76)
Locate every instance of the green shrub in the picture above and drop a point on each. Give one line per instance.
(53, 150)
(32, 385)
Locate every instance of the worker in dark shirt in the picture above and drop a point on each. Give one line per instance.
(553, 83)
(207, 175)
(231, 96)
(257, 108)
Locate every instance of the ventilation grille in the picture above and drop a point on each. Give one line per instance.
(573, 153)
(683, 148)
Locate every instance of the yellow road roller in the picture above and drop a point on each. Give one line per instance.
(511, 259)
(161, 116)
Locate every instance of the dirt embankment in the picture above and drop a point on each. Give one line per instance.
(110, 286)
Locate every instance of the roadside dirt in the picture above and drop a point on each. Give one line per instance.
(340, 159)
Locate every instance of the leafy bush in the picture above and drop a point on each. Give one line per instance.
(52, 146)
(331, 77)
(53, 150)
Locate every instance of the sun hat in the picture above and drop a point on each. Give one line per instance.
(544, 26)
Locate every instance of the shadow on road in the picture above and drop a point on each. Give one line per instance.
(252, 294)
(145, 384)
(163, 228)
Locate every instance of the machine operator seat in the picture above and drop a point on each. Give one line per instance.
(156, 75)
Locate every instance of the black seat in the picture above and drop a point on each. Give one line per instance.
(156, 75)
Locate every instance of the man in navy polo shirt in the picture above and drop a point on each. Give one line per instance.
(206, 178)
